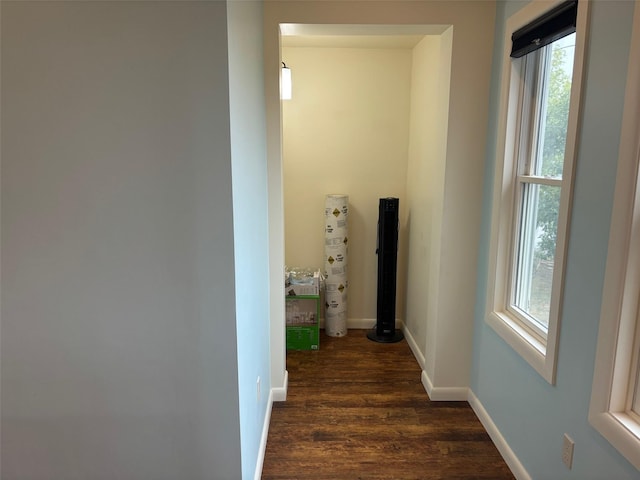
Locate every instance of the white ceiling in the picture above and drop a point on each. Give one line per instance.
(356, 36)
(352, 41)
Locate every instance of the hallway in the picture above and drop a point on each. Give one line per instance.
(357, 410)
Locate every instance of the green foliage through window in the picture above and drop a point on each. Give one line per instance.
(555, 136)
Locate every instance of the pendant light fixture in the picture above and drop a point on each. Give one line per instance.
(285, 82)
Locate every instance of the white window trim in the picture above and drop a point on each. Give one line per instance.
(539, 354)
(622, 284)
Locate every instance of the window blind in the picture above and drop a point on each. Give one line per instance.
(558, 22)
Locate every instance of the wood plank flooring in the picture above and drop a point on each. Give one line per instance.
(356, 409)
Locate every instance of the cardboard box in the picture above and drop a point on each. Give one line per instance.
(312, 287)
(303, 322)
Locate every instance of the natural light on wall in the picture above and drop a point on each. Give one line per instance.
(285, 82)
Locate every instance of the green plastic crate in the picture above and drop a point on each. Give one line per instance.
(303, 322)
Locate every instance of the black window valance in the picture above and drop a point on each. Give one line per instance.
(558, 22)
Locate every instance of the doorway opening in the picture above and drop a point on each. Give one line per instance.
(368, 119)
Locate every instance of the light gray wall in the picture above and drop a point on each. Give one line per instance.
(251, 230)
(118, 315)
(532, 415)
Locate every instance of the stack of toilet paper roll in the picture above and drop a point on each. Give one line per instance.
(336, 212)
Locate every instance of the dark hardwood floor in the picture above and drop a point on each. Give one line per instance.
(356, 409)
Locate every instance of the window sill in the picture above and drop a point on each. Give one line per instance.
(621, 431)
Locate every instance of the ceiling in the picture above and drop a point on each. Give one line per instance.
(352, 41)
(356, 36)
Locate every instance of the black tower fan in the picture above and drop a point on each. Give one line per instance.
(385, 330)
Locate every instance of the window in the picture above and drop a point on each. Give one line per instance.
(534, 174)
(540, 158)
(615, 398)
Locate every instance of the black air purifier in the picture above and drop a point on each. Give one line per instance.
(385, 330)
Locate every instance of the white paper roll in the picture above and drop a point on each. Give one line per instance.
(336, 225)
(332, 241)
(336, 205)
(337, 284)
(335, 265)
(335, 301)
(335, 259)
(335, 324)
(336, 214)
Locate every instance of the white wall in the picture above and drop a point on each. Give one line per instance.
(460, 220)
(431, 69)
(346, 131)
(467, 112)
(118, 315)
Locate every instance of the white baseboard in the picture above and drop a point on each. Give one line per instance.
(436, 394)
(280, 393)
(414, 347)
(276, 394)
(263, 439)
(443, 394)
(501, 444)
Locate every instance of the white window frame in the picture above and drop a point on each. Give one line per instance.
(618, 341)
(538, 351)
